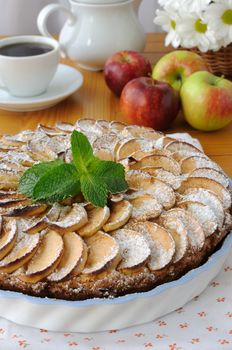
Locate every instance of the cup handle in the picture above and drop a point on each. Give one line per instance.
(43, 17)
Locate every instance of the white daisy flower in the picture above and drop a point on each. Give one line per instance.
(219, 19)
(184, 5)
(168, 21)
(194, 32)
(197, 6)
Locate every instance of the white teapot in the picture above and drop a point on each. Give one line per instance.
(95, 29)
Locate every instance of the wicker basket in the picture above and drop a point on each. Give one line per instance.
(219, 62)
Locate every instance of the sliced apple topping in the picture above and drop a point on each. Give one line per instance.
(9, 175)
(49, 131)
(145, 183)
(39, 149)
(203, 214)
(195, 162)
(145, 207)
(18, 156)
(64, 126)
(160, 241)
(104, 146)
(8, 237)
(209, 184)
(103, 254)
(134, 250)
(166, 176)
(179, 233)
(88, 125)
(182, 154)
(116, 126)
(159, 161)
(208, 198)
(27, 211)
(194, 230)
(177, 145)
(138, 155)
(73, 259)
(46, 258)
(72, 221)
(97, 217)
(212, 174)
(135, 131)
(22, 252)
(128, 147)
(120, 213)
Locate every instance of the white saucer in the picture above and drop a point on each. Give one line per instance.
(65, 82)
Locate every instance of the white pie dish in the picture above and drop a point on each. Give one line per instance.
(104, 314)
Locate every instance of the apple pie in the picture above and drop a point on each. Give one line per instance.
(174, 215)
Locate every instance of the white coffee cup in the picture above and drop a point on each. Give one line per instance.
(28, 76)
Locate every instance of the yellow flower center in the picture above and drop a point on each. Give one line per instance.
(200, 27)
(227, 17)
(173, 24)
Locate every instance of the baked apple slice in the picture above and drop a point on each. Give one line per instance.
(73, 259)
(8, 237)
(204, 215)
(128, 147)
(179, 233)
(71, 221)
(177, 145)
(208, 184)
(120, 213)
(195, 162)
(22, 252)
(145, 207)
(160, 241)
(97, 217)
(208, 198)
(134, 250)
(143, 182)
(194, 230)
(104, 254)
(212, 174)
(46, 258)
(158, 161)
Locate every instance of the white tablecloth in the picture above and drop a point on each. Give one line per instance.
(205, 323)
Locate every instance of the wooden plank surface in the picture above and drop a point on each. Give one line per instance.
(96, 101)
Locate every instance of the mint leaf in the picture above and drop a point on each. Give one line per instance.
(111, 173)
(32, 175)
(94, 189)
(57, 184)
(82, 151)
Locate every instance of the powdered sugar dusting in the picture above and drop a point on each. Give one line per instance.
(133, 248)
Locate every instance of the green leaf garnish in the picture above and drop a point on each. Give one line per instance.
(82, 151)
(56, 190)
(94, 189)
(54, 181)
(111, 173)
(32, 176)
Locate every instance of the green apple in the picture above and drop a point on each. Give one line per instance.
(207, 101)
(176, 66)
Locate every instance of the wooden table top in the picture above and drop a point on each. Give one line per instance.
(96, 101)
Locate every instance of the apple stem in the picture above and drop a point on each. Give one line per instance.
(219, 79)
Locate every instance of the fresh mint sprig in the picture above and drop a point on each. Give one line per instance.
(56, 180)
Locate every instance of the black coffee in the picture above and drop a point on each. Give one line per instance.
(24, 49)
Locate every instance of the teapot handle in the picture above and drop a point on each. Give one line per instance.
(43, 17)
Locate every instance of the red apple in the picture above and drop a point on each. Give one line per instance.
(148, 102)
(207, 101)
(124, 66)
(176, 66)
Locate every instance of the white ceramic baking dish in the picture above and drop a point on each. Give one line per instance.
(105, 314)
